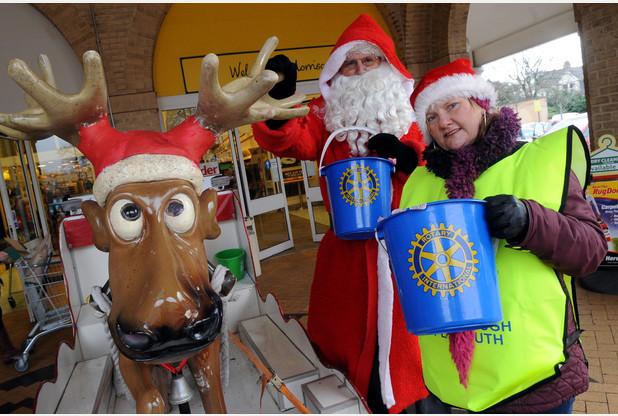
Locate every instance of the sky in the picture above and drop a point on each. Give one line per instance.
(554, 54)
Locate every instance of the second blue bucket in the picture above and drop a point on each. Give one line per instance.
(444, 265)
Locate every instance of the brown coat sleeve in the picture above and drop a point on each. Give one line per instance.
(571, 240)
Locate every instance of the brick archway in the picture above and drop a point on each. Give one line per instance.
(127, 34)
(426, 35)
(435, 34)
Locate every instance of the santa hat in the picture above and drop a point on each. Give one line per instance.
(144, 156)
(363, 30)
(456, 79)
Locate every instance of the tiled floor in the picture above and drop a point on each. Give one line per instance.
(289, 276)
(599, 320)
(18, 390)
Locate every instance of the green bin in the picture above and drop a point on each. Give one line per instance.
(233, 259)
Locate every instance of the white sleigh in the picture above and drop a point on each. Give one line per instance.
(88, 381)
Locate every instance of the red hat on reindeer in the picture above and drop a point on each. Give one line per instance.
(144, 156)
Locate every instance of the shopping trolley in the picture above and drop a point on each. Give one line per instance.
(44, 291)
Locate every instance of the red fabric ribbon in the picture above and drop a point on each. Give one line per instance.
(172, 369)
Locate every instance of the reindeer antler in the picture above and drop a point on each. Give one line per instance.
(51, 111)
(244, 100)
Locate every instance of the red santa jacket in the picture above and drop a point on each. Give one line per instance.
(342, 322)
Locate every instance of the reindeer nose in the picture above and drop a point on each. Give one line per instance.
(137, 341)
(209, 327)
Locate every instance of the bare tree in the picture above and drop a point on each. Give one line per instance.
(529, 76)
(508, 92)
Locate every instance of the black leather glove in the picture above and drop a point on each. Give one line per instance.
(507, 218)
(285, 88)
(388, 146)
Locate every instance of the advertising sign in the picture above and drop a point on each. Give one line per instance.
(602, 194)
(292, 174)
(604, 160)
(603, 197)
(210, 168)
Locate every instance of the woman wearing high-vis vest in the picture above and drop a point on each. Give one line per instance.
(532, 361)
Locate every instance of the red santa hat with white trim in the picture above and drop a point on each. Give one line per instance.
(144, 156)
(364, 30)
(456, 79)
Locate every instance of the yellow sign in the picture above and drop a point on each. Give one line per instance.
(537, 106)
(310, 61)
(235, 32)
(604, 190)
(604, 160)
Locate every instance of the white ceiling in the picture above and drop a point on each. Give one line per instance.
(25, 33)
(498, 30)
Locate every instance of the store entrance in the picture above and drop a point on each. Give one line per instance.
(309, 218)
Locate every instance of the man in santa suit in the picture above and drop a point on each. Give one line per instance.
(363, 83)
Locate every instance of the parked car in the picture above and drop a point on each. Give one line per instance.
(530, 131)
(556, 118)
(580, 121)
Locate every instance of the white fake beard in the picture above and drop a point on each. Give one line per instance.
(376, 99)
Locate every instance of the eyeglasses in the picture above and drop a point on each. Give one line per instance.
(351, 66)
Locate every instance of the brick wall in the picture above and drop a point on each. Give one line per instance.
(74, 22)
(435, 34)
(394, 15)
(127, 36)
(598, 30)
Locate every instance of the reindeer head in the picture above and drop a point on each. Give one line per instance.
(151, 214)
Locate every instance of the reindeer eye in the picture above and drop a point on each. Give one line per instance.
(180, 213)
(126, 219)
(130, 212)
(175, 208)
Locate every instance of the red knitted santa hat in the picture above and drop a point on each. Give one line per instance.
(144, 156)
(363, 30)
(456, 79)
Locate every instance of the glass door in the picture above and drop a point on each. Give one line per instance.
(265, 198)
(318, 217)
(21, 220)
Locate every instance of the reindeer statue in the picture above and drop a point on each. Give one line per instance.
(151, 213)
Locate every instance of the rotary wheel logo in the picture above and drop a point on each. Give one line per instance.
(443, 260)
(359, 185)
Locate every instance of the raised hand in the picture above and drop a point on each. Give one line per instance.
(286, 87)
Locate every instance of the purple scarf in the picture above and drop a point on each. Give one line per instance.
(460, 169)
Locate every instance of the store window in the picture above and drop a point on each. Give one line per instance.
(18, 188)
(65, 178)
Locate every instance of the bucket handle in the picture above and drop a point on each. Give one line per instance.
(335, 134)
(379, 236)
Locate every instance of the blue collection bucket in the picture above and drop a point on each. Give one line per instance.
(359, 190)
(444, 264)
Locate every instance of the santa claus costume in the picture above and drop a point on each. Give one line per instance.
(343, 309)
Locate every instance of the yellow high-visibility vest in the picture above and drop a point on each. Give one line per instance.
(528, 346)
